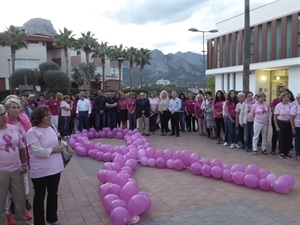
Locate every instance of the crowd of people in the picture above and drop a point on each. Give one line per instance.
(234, 119)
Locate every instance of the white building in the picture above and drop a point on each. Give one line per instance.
(163, 82)
(274, 50)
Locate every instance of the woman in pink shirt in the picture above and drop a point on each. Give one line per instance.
(13, 164)
(123, 112)
(190, 116)
(46, 165)
(217, 114)
(153, 100)
(230, 120)
(199, 114)
(54, 105)
(130, 105)
(295, 123)
(260, 114)
(282, 115)
(65, 115)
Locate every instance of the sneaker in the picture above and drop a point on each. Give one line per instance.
(298, 158)
(273, 153)
(225, 144)
(255, 153)
(12, 207)
(232, 146)
(28, 206)
(282, 156)
(237, 146)
(28, 215)
(288, 156)
(10, 219)
(264, 152)
(247, 150)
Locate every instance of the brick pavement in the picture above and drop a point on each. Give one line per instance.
(181, 198)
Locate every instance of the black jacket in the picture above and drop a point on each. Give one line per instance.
(142, 104)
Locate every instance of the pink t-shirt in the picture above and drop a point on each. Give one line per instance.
(10, 143)
(283, 111)
(54, 107)
(153, 103)
(197, 108)
(190, 106)
(44, 166)
(231, 108)
(260, 112)
(295, 111)
(122, 104)
(42, 103)
(64, 112)
(250, 104)
(131, 104)
(218, 106)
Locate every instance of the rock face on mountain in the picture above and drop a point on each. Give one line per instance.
(180, 68)
(39, 25)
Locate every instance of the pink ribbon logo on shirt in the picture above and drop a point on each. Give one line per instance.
(7, 139)
(263, 110)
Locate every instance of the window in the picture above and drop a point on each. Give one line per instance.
(269, 41)
(27, 63)
(278, 39)
(218, 53)
(251, 44)
(260, 49)
(236, 48)
(230, 50)
(289, 37)
(224, 52)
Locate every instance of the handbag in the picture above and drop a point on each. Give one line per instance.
(67, 152)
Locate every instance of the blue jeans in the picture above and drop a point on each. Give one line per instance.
(65, 125)
(111, 119)
(297, 141)
(100, 117)
(132, 121)
(182, 120)
(248, 135)
(83, 120)
(231, 130)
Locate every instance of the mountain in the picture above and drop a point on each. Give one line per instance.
(39, 25)
(183, 69)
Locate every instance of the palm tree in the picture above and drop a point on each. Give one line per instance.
(84, 73)
(14, 38)
(66, 40)
(130, 55)
(142, 59)
(246, 64)
(87, 43)
(118, 53)
(102, 51)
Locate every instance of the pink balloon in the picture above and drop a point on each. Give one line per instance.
(227, 166)
(216, 162)
(217, 172)
(120, 216)
(160, 162)
(195, 157)
(152, 162)
(289, 179)
(251, 181)
(130, 189)
(170, 163)
(263, 173)
(136, 205)
(114, 189)
(111, 176)
(115, 204)
(128, 169)
(144, 161)
(149, 152)
(227, 176)
(99, 156)
(196, 168)
(107, 166)
(281, 186)
(108, 199)
(93, 153)
(107, 157)
(158, 154)
(237, 167)
(122, 179)
(238, 177)
(116, 166)
(271, 177)
(178, 164)
(132, 163)
(252, 169)
(102, 175)
(265, 184)
(168, 154)
(206, 170)
(103, 189)
(186, 157)
(205, 161)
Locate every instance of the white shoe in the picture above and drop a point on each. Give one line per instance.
(232, 146)
(225, 144)
(237, 146)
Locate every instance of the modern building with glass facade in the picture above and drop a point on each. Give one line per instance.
(274, 50)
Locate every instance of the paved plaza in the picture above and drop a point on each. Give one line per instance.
(181, 198)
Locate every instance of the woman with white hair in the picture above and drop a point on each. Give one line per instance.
(164, 113)
(295, 123)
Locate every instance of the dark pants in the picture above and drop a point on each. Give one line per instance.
(111, 119)
(92, 120)
(83, 120)
(190, 122)
(164, 117)
(231, 130)
(71, 124)
(132, 121)
(284, 136)
(220, 125)
(297, 141)
(240, 135)
(182, 119)
(175, 123)
(274, 136)
(41, 185)
(248, 135)
(99, 122)
(65, 120)
(152, 122)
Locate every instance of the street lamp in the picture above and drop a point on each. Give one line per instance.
(120, 60)
(9, 75)
(203, 51)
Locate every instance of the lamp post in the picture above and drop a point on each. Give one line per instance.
(203, 51)
(120, 60)
(9, 75)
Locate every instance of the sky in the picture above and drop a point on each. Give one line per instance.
(152, 24)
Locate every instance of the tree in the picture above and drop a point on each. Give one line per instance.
(87, 43)
(143, 58)
(210, 83)
(66, 40)
(118, 53)
(130, 55)
(246, 63)
(24, 77)
(43, 68)
(57, 79)
(84, 73)
(102, 51)
(15, 39)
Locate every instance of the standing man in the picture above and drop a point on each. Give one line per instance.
(83, 111)
(143, 113)
(99, 104)
(174, 108)
(111, 105)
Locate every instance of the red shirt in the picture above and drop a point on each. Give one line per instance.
(190, 106)
(53, 106)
